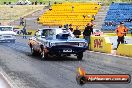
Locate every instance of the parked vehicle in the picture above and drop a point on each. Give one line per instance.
(97, 32)
(7, 34)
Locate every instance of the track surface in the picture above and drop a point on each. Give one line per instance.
(26, 71)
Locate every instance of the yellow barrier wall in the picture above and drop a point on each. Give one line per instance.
(100, 44)
(125, 50)
(33, 32)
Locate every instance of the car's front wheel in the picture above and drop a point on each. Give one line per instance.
(80, 56)
(33, 52)
(44, 55)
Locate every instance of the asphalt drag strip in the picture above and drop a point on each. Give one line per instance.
(27, 71)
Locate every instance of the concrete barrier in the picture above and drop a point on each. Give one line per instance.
(31, 32)
(100, 44)
(125, 50)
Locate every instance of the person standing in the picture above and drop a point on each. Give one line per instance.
(21, 21)
(49, 3)
(60, 26)
(77, 32)
(87, 33)
(24, 31)
(121, 31)
(72, 8)
(70, 27)
(91, 23)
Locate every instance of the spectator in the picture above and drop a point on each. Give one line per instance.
(88, 16)
(36, 3)
(21, 21)
(77, 32)
(32, 3)
(106, 23)
(87, 33)
(55, 2)
(114, 23)
(70, 27)
(110, 23)
(84, 16)
(91, 23)
(93, 16)
(95, 8)
(66, 26)
(129, 20)
(41, 3)
(50, 8)
(121, 31)
(9, 3)
(72, 8)
(60, 26)
(25, 23)
(4, 3)
(24, 32)
(38, 19)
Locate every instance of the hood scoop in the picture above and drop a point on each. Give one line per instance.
(62, 36)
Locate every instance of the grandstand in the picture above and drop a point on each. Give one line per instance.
(118, 12)
(77, 14)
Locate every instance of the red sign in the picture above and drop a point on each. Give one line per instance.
(98, 43)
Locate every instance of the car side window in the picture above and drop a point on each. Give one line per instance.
(48, 33)
(44, 33)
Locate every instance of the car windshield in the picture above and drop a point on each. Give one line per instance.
(5, 28)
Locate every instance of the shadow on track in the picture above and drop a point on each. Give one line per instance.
(20, 47)
(54, 58)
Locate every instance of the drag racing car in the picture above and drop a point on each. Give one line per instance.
(56, 41)
(7, 34)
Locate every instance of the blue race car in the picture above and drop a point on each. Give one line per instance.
(57, 41)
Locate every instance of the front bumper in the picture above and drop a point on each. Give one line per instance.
(66, 49)
(7, 39)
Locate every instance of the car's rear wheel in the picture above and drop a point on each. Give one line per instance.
(80, 56)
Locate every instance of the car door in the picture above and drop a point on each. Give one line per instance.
(36, 42)
(42, 38)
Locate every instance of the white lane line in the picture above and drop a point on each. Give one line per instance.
(110, 54)
(8, 80)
